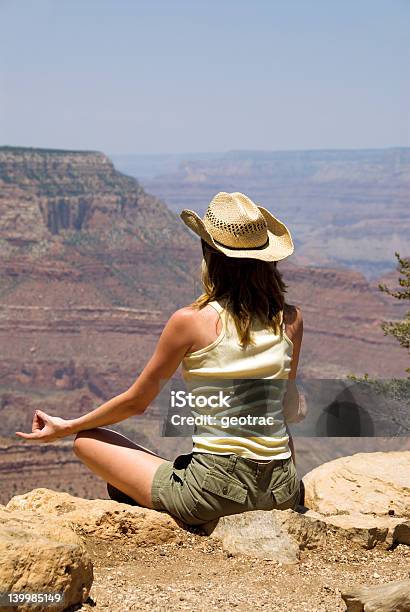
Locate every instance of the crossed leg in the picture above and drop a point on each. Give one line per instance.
(119, 461)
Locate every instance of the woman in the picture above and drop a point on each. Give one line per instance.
(240, 329)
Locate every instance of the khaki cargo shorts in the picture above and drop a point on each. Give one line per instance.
(199, 487)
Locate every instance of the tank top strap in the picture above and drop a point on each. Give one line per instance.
(223, 314)
(218, 307)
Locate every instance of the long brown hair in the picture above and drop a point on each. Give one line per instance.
(248, 287)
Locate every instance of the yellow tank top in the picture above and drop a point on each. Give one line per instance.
(224, 361)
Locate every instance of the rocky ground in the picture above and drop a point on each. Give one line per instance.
(196, 574)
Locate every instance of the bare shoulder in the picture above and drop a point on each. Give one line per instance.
(180, 329)
(186, 315)
(189, 317)
(292, 315)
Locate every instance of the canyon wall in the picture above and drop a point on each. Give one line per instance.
(91, 267)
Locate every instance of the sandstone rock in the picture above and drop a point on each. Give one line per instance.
(391, 597)
(364, 497)
(278, 535)
(308, 531)
(38, 555)
(368, 531)
(101, 518)
(401, 533)
(375, 484)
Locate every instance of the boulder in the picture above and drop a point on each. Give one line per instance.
(367, 531)
(366, 496)
(101, 518)
(390, 597)
(38, 555)
(278, 535)
(401, 533)
(373, 484)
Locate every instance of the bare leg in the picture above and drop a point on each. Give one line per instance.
(118, 460)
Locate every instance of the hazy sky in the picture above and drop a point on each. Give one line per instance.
(153, 76)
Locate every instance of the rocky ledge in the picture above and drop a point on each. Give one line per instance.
(357, 503)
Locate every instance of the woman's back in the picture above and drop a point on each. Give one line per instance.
(223, 365)
(216, 349)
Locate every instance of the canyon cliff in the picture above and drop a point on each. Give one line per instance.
(91, 267)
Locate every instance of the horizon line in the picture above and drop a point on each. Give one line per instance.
(225, 152)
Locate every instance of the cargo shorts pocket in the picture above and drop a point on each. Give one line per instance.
(224, 487)
(287, 494)
(219, 496)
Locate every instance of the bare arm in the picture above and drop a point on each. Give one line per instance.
(292, 399)
(176, 339)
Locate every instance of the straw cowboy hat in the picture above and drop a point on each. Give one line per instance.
(237, 227)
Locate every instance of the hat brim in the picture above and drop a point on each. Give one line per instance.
(280, 244)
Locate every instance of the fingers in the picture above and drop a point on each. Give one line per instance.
(34, 437)
(29, 436)
(39, 426)
(41, 416)
(37, 422)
